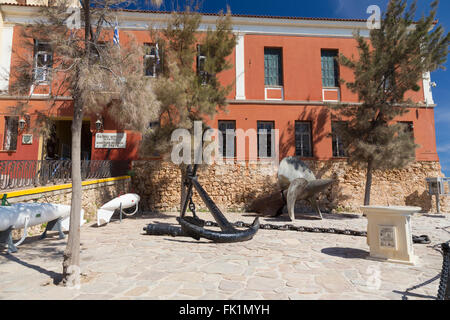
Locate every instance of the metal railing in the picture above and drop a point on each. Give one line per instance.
(16, 174)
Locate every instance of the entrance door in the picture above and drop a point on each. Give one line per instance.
(59, 144)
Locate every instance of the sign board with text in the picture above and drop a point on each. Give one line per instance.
(110, 140)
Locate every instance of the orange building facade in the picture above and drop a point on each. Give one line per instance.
(282, 76)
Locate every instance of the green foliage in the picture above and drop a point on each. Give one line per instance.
(389, 65)
(185, 94)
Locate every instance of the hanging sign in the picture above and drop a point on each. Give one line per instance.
(110, 140)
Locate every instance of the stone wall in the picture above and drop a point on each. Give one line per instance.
(234, 186)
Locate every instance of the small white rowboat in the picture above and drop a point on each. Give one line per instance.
(125, 201)
(24, 215)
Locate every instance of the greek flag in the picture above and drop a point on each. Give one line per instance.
(116, 34)
(157, 54)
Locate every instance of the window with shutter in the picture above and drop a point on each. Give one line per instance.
(330, 68)
(273, 71)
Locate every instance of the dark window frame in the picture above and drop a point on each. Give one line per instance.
(223, 147)
(302, 154)
(336, 70)
(410, 125)
(201, 62)
(280, 82)
(150, 54)
(270, 138)
(14, 128)
(338, 144)
(41, 68)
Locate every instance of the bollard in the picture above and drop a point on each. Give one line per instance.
(389, 233)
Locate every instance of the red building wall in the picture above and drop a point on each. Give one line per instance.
(302, 82)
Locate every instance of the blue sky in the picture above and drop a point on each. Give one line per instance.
(348, 9)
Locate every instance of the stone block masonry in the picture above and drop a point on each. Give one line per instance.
(234, 186)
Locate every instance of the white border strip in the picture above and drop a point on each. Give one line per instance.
(240, 68)
(6, 38)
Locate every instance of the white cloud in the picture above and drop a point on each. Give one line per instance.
(442, 115)
(445, 167)
(355, 8)
(340, 6)
(443, 148)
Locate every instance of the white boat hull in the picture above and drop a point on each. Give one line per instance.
(125, 201)
(17, 214)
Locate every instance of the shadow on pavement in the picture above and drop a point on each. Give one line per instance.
(347, 253)
(57, 277)
(407, 292)
(138, 216)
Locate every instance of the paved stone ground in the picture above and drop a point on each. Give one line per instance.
(120, 262)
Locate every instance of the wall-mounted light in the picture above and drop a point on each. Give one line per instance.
(99, 124)
(22, 124)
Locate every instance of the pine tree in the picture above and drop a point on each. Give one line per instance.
(187, 87)
(391, 63)
(99, 76)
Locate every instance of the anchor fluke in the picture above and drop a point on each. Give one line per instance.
(219, 236)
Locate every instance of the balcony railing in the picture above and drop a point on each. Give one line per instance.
(16, 174)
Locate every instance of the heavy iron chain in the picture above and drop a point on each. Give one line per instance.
(444, 285)
(192, 206)
(289, 227)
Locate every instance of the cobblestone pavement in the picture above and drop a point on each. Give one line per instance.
(120, 262)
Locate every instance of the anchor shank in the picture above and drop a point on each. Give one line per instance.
(187, 187)
(223, 223)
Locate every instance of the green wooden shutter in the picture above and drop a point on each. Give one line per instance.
(330, 75)
(272, 67)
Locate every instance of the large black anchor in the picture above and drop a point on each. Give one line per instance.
(193, 226)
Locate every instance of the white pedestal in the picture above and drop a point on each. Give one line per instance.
(389, 233)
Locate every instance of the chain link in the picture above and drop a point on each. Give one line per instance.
(192, 206)
(444, 284)
(289, 227)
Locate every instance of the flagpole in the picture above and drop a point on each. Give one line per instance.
(116, 41)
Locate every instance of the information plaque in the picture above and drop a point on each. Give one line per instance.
(110, 140)
(387, 237)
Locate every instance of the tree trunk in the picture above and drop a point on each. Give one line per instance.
(368, 182)
(71, 263)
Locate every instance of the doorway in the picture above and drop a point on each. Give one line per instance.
(59, 144)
